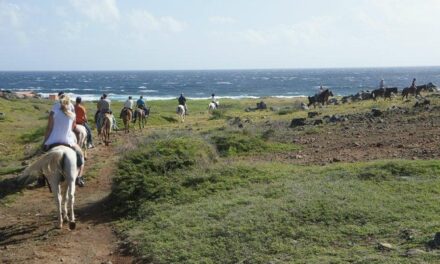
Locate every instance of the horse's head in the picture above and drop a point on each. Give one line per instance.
(330, 93)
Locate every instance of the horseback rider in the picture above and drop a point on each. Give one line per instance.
(81, 119)
(381, 84)
(140, 103)
(213, 100)
(103, 108)
(413, 85)
(59, 131)
(128, 106)
(182, 101)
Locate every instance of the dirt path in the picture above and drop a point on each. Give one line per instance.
(27, 226)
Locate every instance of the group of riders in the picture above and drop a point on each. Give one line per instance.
(64, 118)
(381, 86)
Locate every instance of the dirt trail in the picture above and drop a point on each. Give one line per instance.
(27, 226)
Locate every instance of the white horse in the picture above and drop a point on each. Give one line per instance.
(213, 106)
(181, 112)
(58, 166)
(81, 137)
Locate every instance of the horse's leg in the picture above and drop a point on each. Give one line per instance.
(57, 196)
(71, 196)
(64, 201)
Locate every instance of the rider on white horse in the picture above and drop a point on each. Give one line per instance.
(182, 101)
(59, 131)
(213, 100)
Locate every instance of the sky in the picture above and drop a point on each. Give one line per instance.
(217, 34)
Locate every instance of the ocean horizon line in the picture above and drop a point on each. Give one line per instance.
(232, 69)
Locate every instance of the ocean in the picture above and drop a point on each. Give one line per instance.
(160, 85)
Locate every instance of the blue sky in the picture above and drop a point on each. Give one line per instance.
(222, 34)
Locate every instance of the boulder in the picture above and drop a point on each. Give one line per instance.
(422, 103)
(333, 101)
(298, 122)
(261, 106)
(304, 106)
(318, 122)
(312, 114)
(376, 112)
(385, 246)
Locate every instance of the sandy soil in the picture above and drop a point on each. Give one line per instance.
(407, 133)
(27, 226)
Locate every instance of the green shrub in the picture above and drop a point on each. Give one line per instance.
(152, 172)
(217, 114)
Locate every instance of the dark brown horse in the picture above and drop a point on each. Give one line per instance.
(413, 90)
(389, 92)
(378, 93)
(321, 98)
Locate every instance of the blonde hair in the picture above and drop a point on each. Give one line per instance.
(65, 102)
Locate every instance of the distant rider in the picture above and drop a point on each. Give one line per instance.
(213, 100)
(81, 119)
(128, 106)
(140, 103)
(182, 101)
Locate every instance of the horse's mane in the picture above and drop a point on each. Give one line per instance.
(45, 165)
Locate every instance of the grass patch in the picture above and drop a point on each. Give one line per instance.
(282, 214)
(35, 136)
(235, 143)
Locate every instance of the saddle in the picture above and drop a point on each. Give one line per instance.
(79, 155)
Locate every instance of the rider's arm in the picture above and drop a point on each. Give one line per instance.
(49, 127)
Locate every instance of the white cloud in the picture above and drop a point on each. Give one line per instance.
(315, 30)
(222, 20)
(142, 22)
(73, 30)
(10, 15)
(104, 11)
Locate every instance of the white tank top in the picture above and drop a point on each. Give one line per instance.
(62, 128)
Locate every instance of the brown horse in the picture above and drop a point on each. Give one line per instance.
(106, 128)
(126, 116)
(141, 116)
(378, 93)
(389, 92)
(321, 98)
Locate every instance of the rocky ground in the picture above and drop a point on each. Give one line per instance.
(397, 132)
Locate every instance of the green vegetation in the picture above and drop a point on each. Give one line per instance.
(237, 212)
(203, 191)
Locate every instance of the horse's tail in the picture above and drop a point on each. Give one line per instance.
(45, 165)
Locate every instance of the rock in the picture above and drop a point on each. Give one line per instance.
(414, 252)
(318, 122)
(385, 246)
(304, 106)
(298, 122)
(298, 156)
(423, 103)
(336, 160)
(261, 105)
(376, 112)
(407, 234)
(274, 108)
(312, 114)
(436, 241)
(335, 118)
(333, 101)
(356, 144)
(25, 163)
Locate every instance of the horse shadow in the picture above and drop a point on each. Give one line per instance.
(169, 119)
(98, 212)
(9, 186)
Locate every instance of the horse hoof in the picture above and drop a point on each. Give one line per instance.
(72, 225)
